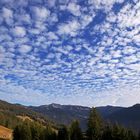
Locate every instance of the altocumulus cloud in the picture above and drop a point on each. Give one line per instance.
(70, 52)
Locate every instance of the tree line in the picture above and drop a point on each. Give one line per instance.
(96, 130)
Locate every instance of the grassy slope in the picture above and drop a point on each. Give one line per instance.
(5, 133)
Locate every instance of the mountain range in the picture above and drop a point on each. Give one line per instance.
(65, 114)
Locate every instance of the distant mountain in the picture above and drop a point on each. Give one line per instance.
(65, 114)
(129, 117)
(105, 111)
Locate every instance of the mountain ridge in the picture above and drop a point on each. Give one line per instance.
(65, 114)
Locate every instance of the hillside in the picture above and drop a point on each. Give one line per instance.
(65, 114)
(129, 117)
(5, 133)
(9, 113)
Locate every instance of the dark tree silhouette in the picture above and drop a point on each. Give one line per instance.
(94, 131)
(63, 133)
(75, 131)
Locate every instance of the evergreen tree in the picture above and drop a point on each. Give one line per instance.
(17, 133)
(26, 132)
(63, 133)
(131, 136)
(94, 130)
(22, 132)
(7, 123)
(75, 131)
(120, 133)
(35, 132)
(107, 133)
(139, 136)
(49, 134)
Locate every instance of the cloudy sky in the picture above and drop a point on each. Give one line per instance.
(84, 52)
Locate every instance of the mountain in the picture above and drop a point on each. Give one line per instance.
(105, 111)
(65, 114)
(129, 117)
(10, 114)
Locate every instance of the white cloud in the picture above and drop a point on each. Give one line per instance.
(74, 9)
(40, 13)
(76, 66)
(19, 31)
(2, 53)
(134, 67)
(7, 13)
(70, 28)
(130, 59)
(104, 4)
(86, 19)
(23, 18)
(52, 36)
(25, 49)
(129, 50)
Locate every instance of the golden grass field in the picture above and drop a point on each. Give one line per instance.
(23, 118)
(5, 133)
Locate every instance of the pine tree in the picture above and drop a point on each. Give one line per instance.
(107, 133)
(16, 133)
(35, 132)
(63, 133)
(130, 135)
(22, 132)
(94, 130)
(75, 131)
(139, 136)
(26, 132)
(49, 134)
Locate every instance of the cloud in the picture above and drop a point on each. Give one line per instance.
(52, 36)
(104, 4)
(19, 31)
(40, 13)
(74, 9)
(135, 67)
(25, 49)
(61, 51)
(70, 28)
(7, 13)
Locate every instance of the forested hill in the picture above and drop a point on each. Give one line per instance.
(64, 114)
(9, 114)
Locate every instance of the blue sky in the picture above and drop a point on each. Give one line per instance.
(84, 52)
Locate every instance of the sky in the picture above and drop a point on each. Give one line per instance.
(82, 52)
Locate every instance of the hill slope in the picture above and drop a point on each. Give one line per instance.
(129, 117)
(5, 133)
(65, 114)
(9, 113)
